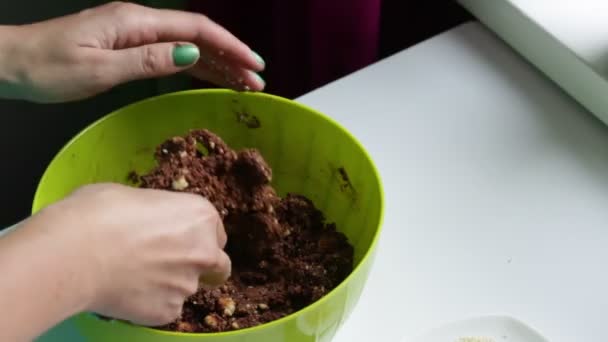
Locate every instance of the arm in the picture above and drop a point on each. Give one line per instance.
(9, 62)
(37, 269)
(42, 281)
(75, 255)
(81, 55)
(106, 249)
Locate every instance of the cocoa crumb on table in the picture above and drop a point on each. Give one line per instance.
(284, 255)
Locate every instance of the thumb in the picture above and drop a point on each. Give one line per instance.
(153, 60)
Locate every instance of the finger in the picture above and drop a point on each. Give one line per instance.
(213, 38)
(171, 25)
(218, 226)
(222, 238)
(212, 76)
(218, 274)
(249, 79)
(153, 60)
(230, 77)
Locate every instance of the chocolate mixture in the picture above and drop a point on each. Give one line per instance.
(284, 255)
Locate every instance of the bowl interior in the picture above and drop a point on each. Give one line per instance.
(309, 153)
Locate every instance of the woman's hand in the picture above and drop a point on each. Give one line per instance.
(80, 55)
(141, 252)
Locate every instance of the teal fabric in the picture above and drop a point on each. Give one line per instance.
(64, 332)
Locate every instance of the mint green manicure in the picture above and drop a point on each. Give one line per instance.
(259, 59)
(259, 78)
(185, 54)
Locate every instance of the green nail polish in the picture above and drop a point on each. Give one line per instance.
(260, 79)
(259, 59)
(185, 55)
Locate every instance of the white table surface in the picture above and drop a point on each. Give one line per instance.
(496, 189)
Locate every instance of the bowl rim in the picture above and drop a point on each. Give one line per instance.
(368, 254)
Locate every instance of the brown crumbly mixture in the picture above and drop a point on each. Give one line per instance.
(284, 255)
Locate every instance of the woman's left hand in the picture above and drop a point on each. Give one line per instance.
(80, 55)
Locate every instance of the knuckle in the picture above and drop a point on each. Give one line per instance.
(125, 12)
(163, 317)
(122, 6)
(207, 211)
(174, 309)
(204, 212)
(208, 260)
(109, 6)
(112, 4)
(150, 61)
(86, 12)
(184, 288)
(201, 204)
(192, 287)
(167, 313)
(202, 19)
(113, 8)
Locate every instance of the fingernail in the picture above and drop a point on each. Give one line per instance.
(259, 59)
(185, 54)
(260, 79)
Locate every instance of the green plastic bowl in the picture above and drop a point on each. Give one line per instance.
(309, 153)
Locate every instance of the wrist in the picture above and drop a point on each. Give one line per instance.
(11, 62)
(66, 255)
(72, 250)
(45, 281)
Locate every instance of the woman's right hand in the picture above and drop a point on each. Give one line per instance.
(142, 251)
